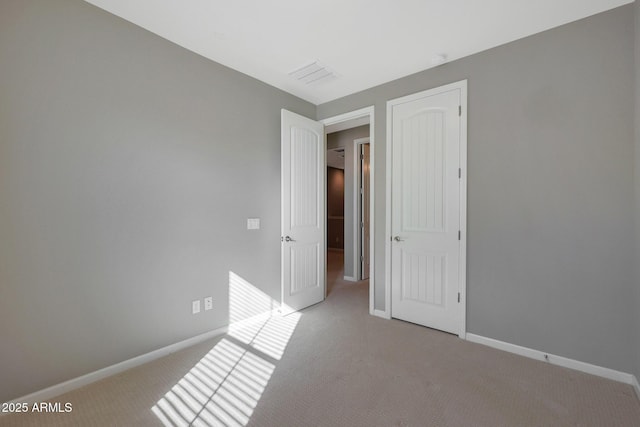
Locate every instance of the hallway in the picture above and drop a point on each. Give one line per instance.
(335, 273)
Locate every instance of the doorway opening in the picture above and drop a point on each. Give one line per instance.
(335, 216)
(350, 173)
(303, 205)
(362, 220)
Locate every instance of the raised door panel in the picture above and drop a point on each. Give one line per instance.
(423, 278)
(304, 268)
(423, 160)
(305, 149)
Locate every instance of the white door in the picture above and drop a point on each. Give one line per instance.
(364, 208)
(426, 209)
(303, 212)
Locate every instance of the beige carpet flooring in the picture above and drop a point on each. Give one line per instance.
(334, 365)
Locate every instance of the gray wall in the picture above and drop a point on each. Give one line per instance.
(345, 139)
(550, 187)
(128, 167)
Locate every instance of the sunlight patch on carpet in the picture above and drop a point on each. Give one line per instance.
(225, 386)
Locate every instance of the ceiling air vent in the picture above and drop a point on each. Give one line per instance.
(313, 73)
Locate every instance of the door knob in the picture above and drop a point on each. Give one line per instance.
(288, 239)
(398, 239)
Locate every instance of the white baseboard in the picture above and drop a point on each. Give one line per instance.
(350, 279)
(636, 386)
(381, 313)
(600, 371)
(58, 389)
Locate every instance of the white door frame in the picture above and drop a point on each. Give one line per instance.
(357, 217)
(462, 85)
(363, 112)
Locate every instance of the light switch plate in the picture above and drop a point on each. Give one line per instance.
(195, 306)
(253, 223)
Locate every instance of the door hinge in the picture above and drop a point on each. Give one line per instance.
(362, 225)
(459, 172)
(361, 156)
(459, 110)
(459, 234)
(458, 296)
(361, 258)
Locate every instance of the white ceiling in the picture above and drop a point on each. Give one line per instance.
(365, 42)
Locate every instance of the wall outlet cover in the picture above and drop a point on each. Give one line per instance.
(253, 223)
(208, 303)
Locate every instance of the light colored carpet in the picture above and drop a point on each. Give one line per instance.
(334, 365)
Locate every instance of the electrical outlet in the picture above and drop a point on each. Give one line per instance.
(208, 303)
(195, 306)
